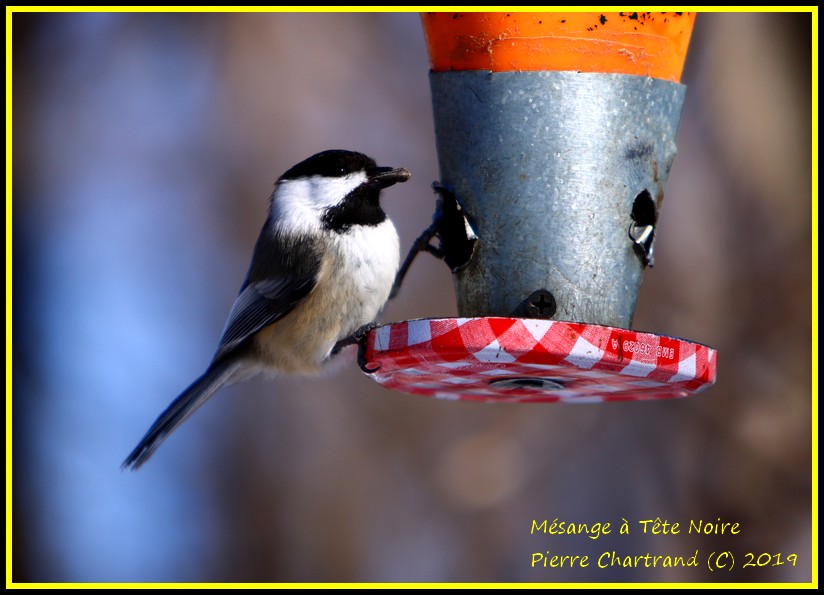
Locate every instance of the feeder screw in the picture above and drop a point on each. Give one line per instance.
(541, 304)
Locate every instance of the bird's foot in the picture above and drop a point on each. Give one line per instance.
(358, 338)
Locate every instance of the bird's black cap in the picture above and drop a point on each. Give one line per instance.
(333, 164)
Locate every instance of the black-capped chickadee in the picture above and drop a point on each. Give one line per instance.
(323, 268)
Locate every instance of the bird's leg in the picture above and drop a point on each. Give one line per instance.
(419, 245)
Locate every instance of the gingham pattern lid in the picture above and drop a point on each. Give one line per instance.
(517, 360)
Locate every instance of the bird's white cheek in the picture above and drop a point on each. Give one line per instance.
(300, 204)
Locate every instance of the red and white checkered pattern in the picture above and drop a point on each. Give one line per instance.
(465, 358)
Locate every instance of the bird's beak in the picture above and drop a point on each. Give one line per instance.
(383, 177)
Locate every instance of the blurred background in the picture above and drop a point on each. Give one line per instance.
(145, 150)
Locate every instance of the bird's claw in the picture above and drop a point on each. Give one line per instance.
(359, 338)
(362, 363)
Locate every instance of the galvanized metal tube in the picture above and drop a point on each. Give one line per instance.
(548, 165)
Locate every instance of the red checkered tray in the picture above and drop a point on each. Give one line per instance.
(516, 360)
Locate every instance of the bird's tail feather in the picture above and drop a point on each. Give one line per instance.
(218, 374)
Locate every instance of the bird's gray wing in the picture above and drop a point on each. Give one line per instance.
(282, 273)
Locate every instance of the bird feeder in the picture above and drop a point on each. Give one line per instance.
(555, 136)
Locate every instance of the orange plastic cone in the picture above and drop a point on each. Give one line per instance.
(650, 44)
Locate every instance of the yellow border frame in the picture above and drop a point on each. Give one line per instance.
(10, 10)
